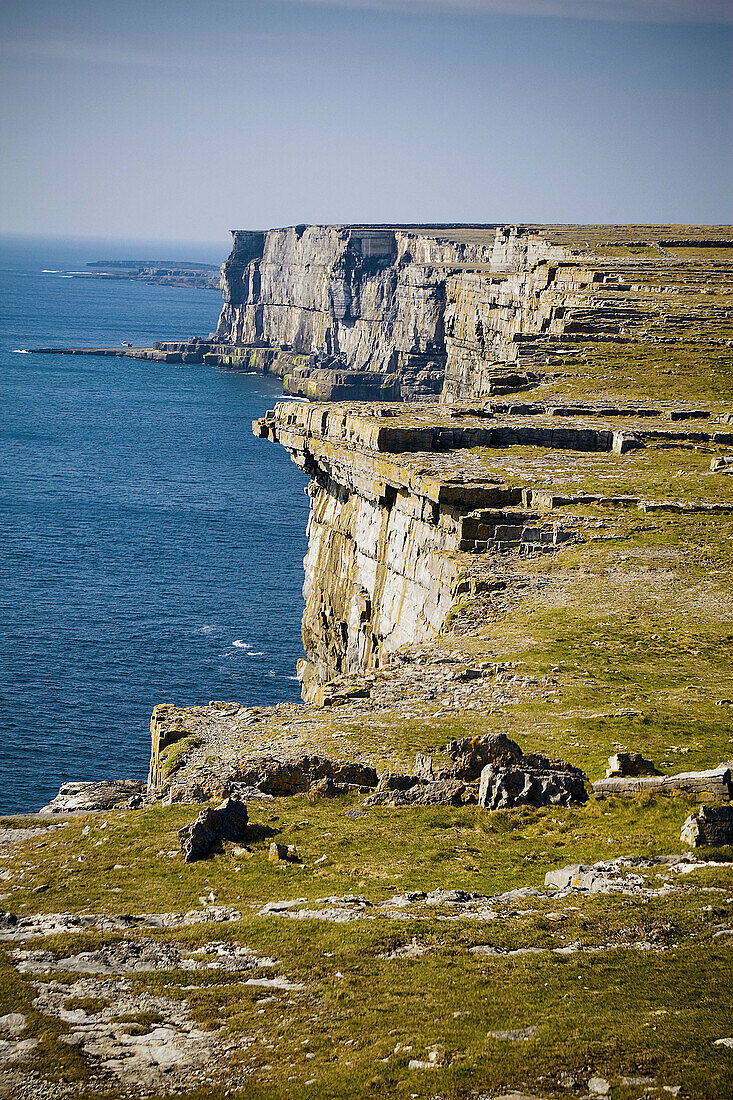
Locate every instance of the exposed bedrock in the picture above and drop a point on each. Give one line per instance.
(379, 312)
(373, 299)
(385, 532)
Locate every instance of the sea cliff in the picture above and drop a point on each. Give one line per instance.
(516, 696)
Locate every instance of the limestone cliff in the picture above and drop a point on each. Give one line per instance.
(370, 299)
(350, 312)
(389, 520)
(419, 510)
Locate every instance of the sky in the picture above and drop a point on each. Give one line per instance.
(183, 119)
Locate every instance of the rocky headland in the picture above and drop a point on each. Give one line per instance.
(429, 879)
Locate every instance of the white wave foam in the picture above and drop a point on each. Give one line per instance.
(253, 653)
(51, 271)
(292, 678)
(239, 643)
(206, 630)
(21, 351)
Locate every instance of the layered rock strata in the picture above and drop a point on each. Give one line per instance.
(466, 311)
(385, 525)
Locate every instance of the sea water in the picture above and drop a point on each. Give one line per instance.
(151, 547)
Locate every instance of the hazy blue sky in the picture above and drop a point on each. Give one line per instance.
(184, 118)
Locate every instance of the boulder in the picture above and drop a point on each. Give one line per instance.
(285, 777)
(227, 821)
(439, 792)
(532, 781)
(710, 825)
(629, 763)
(472, 754)
(108, 794)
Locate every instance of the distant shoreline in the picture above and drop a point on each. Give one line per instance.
(180, 273)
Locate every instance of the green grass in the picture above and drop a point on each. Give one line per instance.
(388, 851)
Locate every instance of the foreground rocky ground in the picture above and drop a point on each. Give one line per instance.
(409, 952)
(549, 570)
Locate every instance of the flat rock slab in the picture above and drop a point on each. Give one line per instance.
(519, 1035)
(142, 956)
(13, 927)
(106, 795)
(716, 782)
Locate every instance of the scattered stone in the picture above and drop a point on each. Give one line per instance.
(722, 465)
(113, 794)
(710, 825)
(519, 1035)
(282, 853)
(599, 1086)
(225, 822)
(724, 1043)
(416, 1063)
(623, 764)
(533, 781)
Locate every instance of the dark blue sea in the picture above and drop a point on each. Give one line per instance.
(151, 548)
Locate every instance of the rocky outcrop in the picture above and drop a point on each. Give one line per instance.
(531, 781)
(107, 794)
(213, 825)
(710, 825)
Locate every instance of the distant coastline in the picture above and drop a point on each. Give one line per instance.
(185, 273)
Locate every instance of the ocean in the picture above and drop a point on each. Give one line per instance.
(151, 547)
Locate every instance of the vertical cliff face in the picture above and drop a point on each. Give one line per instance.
(412, 306)
(395, 503)
(379, 571)
(376, 577)
(341, 294)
